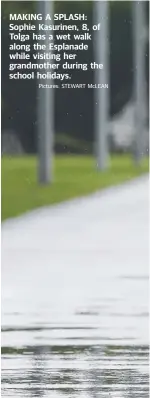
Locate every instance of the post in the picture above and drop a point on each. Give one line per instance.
(139, 76)
(45, 112)
(101, 102)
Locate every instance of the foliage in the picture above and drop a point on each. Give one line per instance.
(74, 109)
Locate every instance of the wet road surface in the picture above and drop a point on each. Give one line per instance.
(75, 298)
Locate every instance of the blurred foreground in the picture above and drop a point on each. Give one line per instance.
(75, 298)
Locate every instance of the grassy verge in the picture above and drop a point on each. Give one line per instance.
(74, 176)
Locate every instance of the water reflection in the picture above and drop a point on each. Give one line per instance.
(75, 371)
(74, 310)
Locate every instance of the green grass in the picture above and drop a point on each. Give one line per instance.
(73, 176)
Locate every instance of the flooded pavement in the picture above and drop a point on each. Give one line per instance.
(75, 298)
